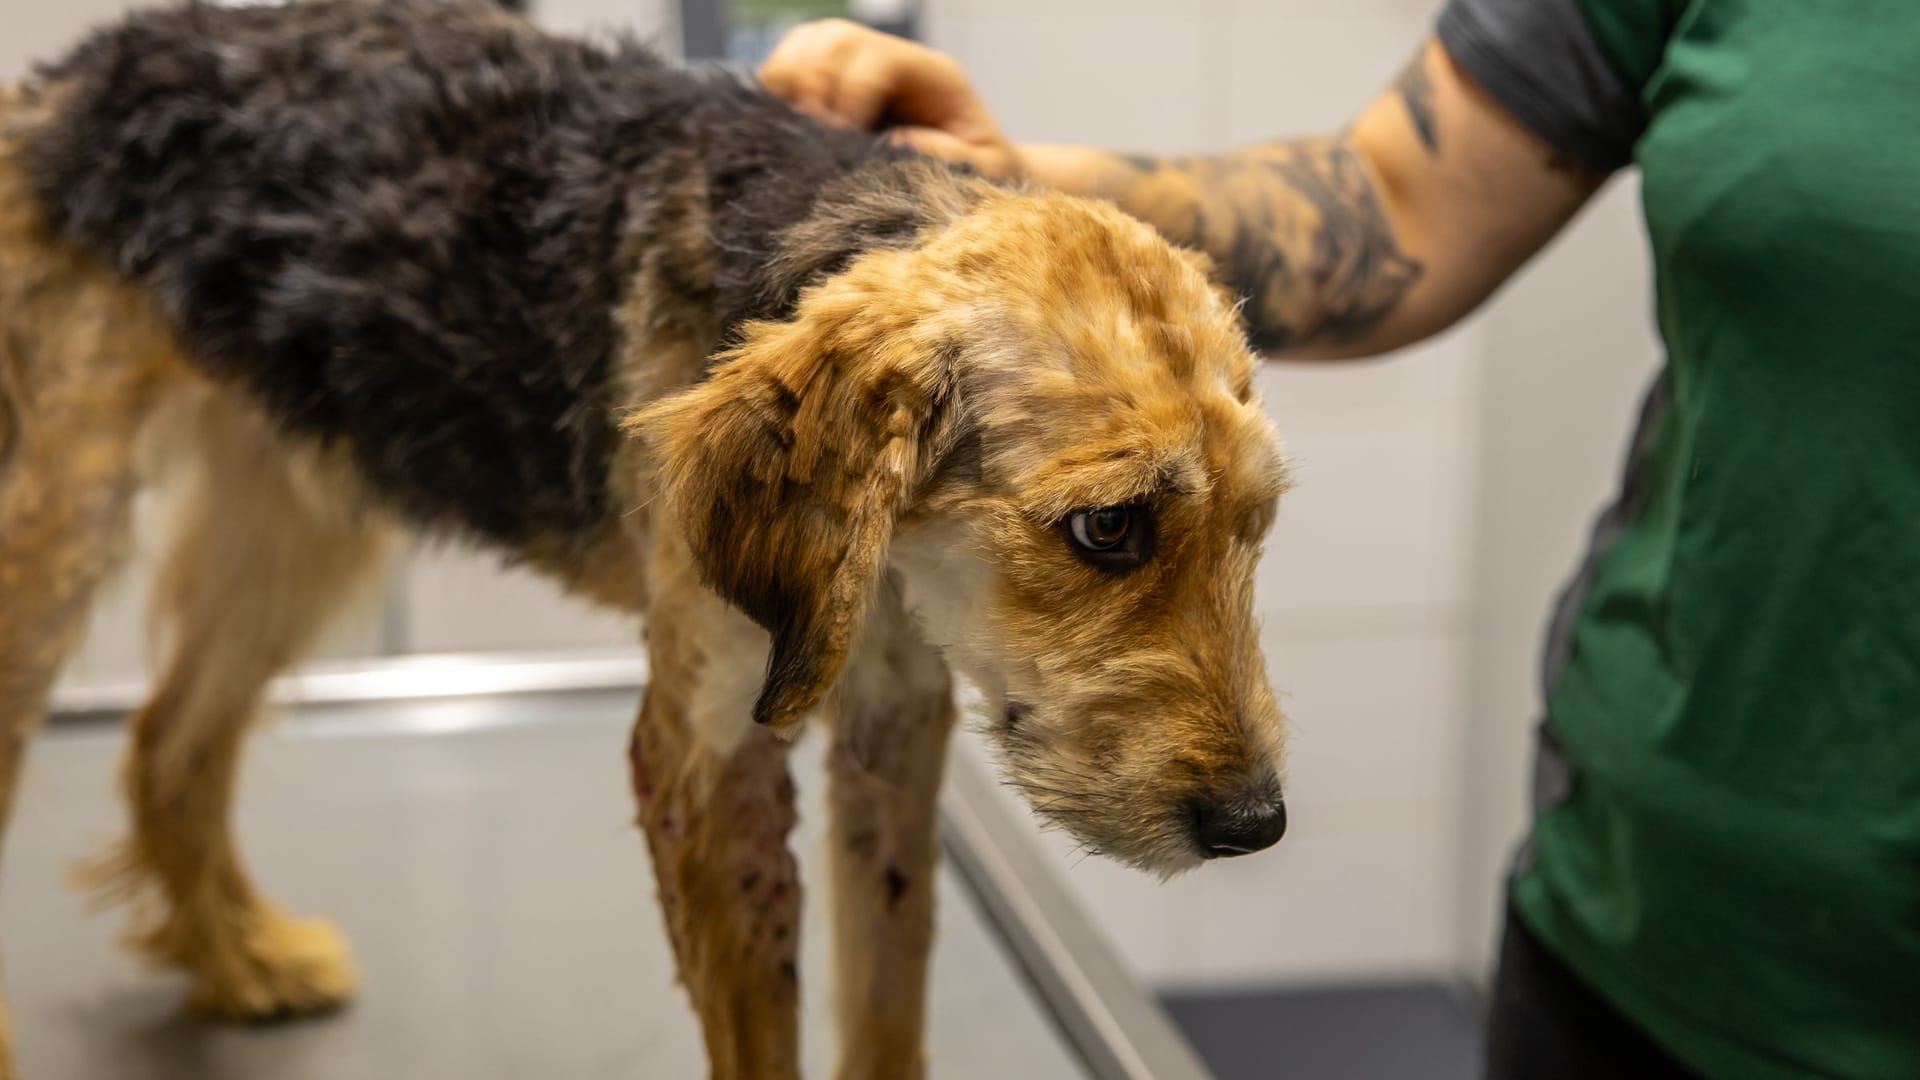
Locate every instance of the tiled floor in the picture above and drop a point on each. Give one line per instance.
(1409, 1031)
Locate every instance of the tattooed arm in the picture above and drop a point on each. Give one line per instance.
(1345, 245)
(1297, 228)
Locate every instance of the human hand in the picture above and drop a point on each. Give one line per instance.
(851, 76)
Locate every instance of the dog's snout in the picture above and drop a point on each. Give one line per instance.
(1225, 829)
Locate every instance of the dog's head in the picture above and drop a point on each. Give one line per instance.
(1041, 417)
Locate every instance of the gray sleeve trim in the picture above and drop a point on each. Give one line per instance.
(1539, 59)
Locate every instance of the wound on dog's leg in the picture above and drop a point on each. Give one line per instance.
(729, 888)
(892, 719)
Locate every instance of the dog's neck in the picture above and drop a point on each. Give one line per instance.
(756, 200)
(762, 263)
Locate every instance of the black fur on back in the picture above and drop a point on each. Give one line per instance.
(400, 225)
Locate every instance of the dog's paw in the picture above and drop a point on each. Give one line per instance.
(281, 968)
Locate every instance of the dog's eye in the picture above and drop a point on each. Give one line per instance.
(1101, 530)
(1116, 539)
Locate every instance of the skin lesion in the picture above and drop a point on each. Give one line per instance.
(1295, 228)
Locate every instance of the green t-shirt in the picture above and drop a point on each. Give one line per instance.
(1728, 842)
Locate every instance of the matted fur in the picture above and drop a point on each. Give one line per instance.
(371, 215)
(822, 412)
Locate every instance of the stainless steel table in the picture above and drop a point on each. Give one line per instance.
(478, 850)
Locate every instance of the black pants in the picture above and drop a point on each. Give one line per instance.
(1545, 1024)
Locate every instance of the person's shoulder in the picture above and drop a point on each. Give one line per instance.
(1570, 71)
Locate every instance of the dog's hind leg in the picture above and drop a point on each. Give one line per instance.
(266, 548)
(717, 803)
(75, 385)
(892, 715)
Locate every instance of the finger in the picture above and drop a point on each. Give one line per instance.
(932, 91)
(850, 75)
(787, 59)
(869, 76)
(800, 68)
(812, 93)
(988, 160)
(866, 87)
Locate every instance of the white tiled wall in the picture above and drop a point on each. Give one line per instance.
(1132, 74)
(1380, 451)
(461, 601)
(1309, 67)
(35, 32)
(656, 21)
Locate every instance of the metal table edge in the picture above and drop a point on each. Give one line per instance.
(1118, 1031)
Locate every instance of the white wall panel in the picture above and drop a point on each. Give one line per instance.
(459, 600)
(1144, 77)
(36, 32)
(1381, 451)
(656, 21)
(1310, 72)
(1373, 717)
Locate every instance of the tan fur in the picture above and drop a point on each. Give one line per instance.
(79, 367)
(891, 717)
(858, 498)
(789, 466)
(268, 544)
(716, 816)
(1094, 365)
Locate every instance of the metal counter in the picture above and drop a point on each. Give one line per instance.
(468, 825)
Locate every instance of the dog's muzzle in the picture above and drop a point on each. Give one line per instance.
(1239, 825)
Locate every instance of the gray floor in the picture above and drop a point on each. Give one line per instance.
(495, 890)
(1416, 1031)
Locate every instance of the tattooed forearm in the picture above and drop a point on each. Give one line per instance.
(1416, 92)
(1295, 228)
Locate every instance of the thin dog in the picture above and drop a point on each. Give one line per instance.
(838, 422)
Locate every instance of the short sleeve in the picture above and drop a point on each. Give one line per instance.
(1570, 70)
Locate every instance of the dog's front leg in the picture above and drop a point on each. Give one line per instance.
(892, 717)
(717, 803)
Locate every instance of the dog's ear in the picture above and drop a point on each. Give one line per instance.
(786, 469)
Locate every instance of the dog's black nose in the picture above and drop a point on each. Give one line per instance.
(1239, 829)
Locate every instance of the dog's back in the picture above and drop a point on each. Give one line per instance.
(406, 226)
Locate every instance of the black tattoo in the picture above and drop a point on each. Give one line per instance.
(1416, 91)
(1356, 270)
(1295, 228)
